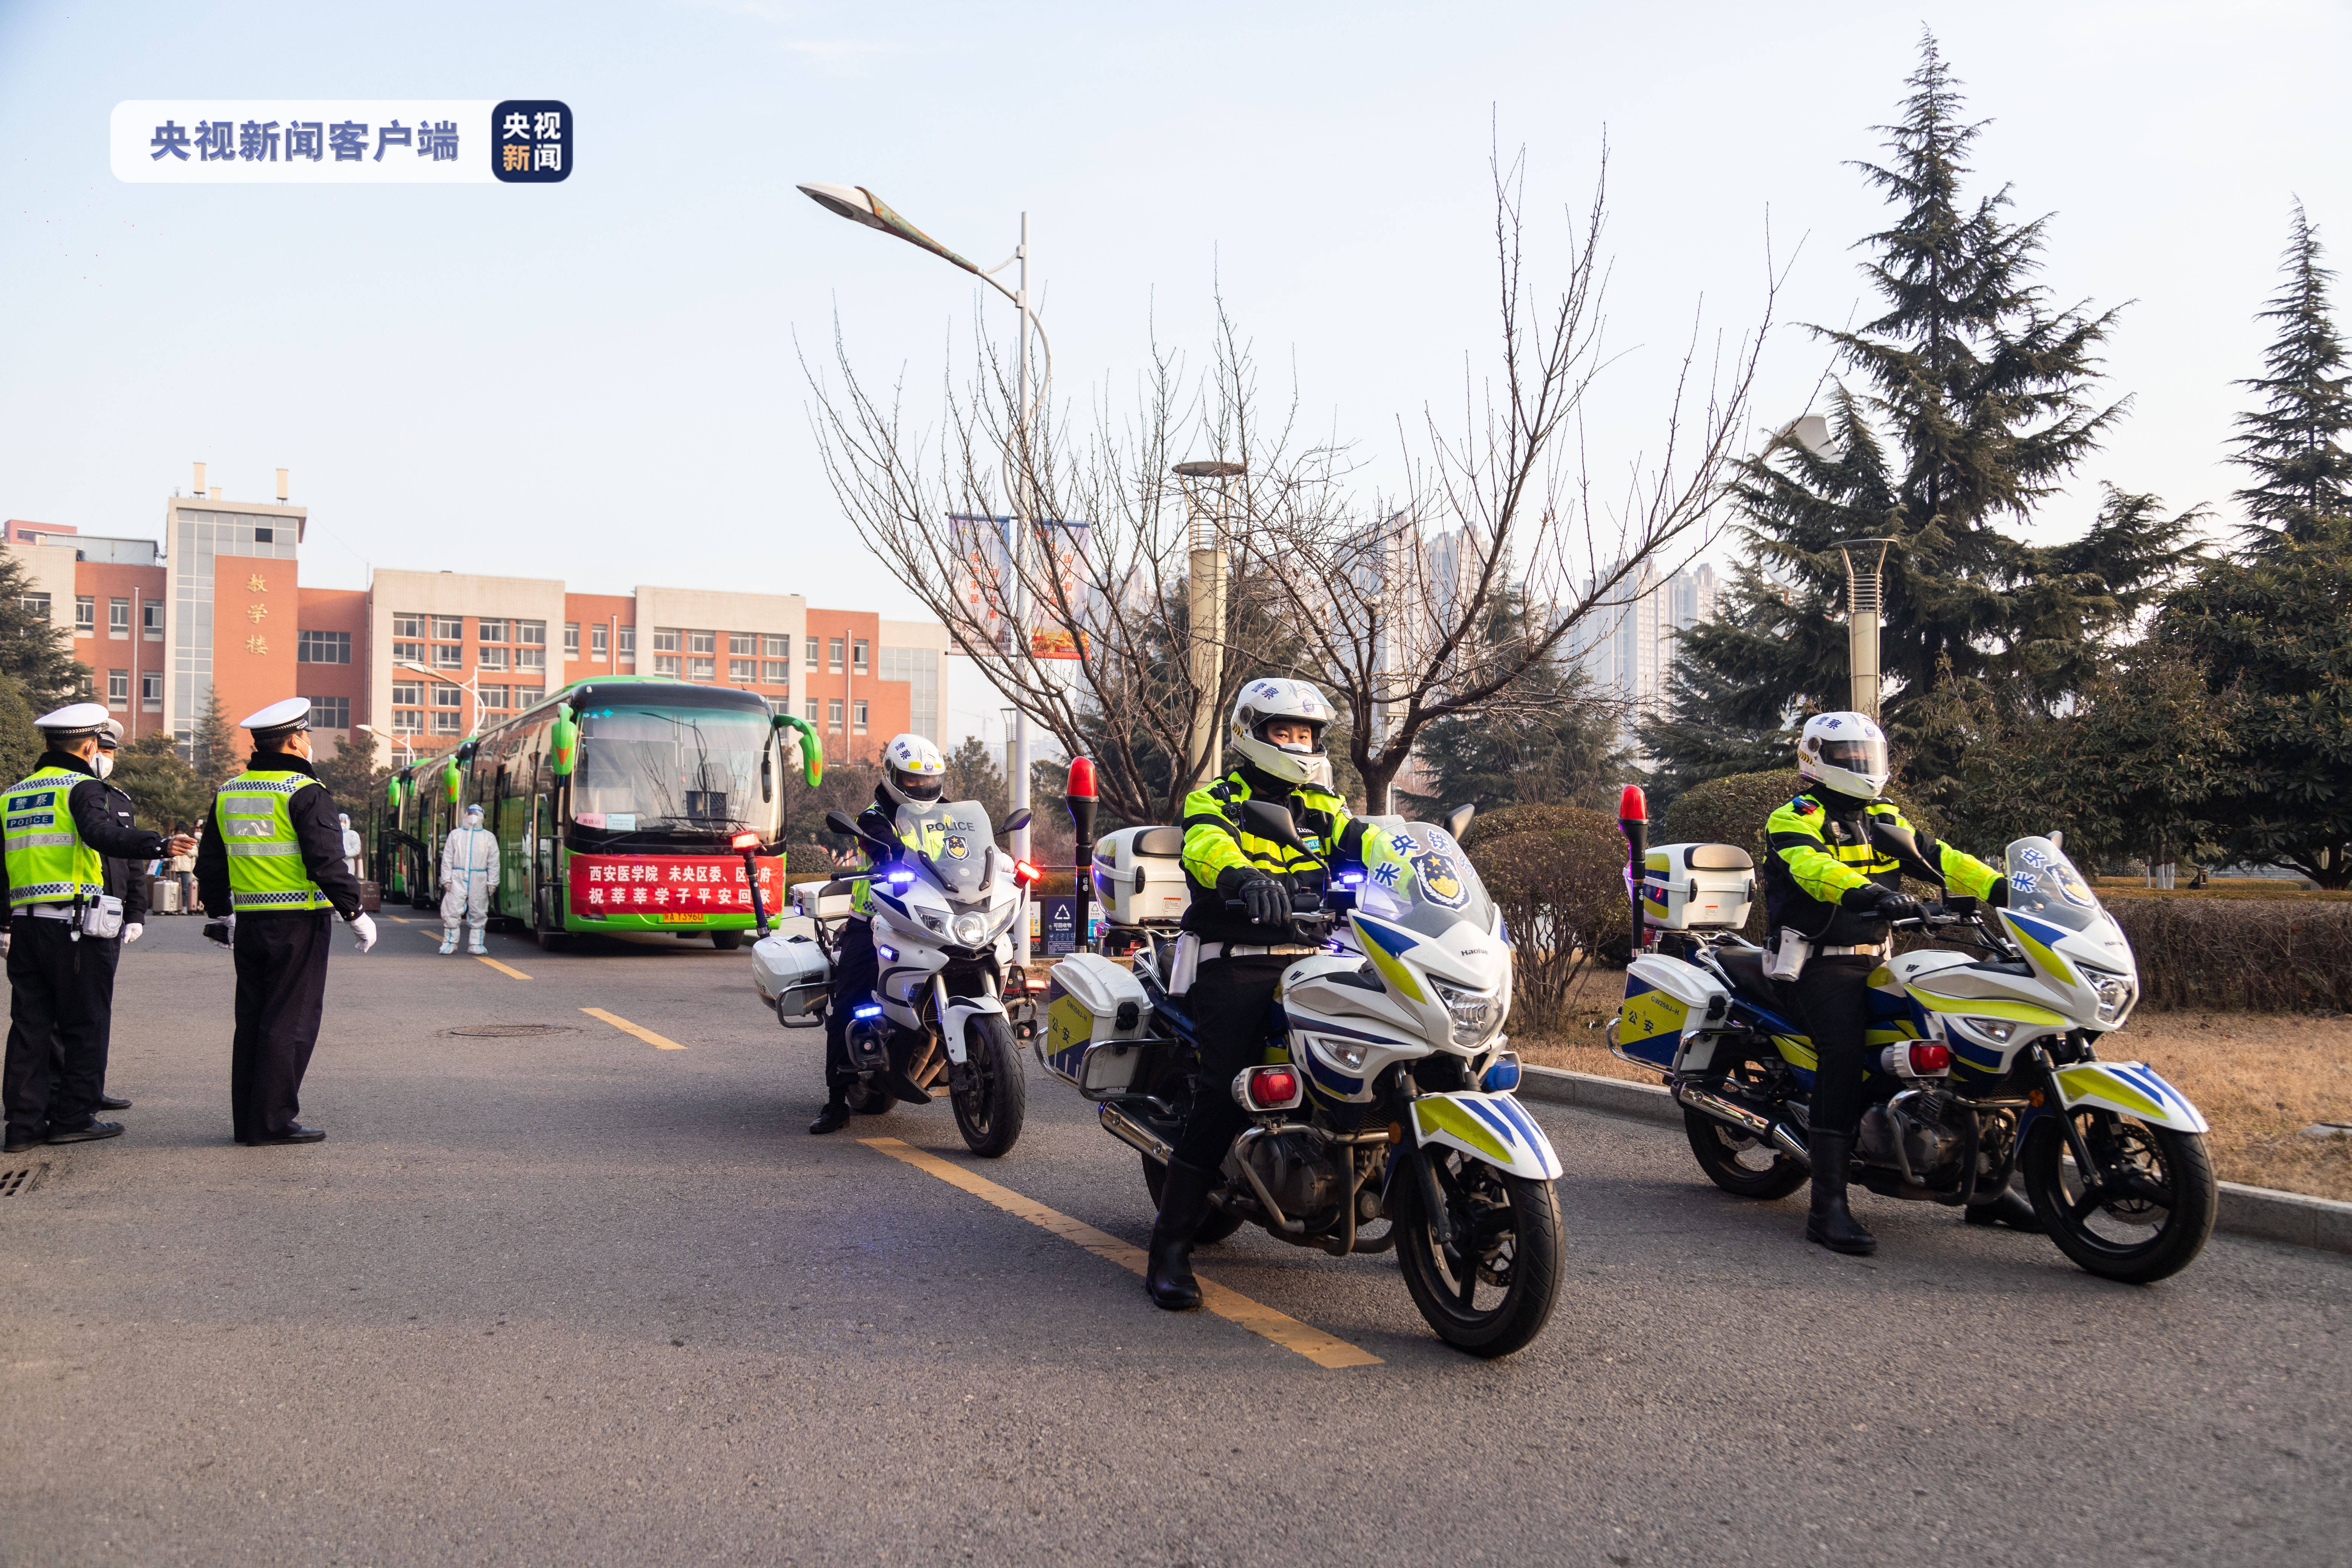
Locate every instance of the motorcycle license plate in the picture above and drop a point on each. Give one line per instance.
(681, 920)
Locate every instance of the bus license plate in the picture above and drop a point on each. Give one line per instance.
(681, 920)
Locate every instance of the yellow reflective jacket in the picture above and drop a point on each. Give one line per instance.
(1218, 852)
(1820, 844)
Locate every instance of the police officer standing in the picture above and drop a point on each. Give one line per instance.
(271, 866)
(59, 830)
(124, 879)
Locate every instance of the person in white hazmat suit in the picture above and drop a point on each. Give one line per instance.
(470, 870)
(351, 846)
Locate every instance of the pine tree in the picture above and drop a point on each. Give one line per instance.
(2293, 443)
(214, 750)
(35, 653)
(160, 783)
(20, 743)
(1966, 403)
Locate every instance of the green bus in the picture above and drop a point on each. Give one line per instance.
(621, 804)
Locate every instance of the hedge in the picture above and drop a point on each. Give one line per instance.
(2241, 955)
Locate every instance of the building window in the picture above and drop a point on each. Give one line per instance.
(151, 692)
(743, 668)
(83, 688)
(491, 657)
(571, 641)
(667, 639)
(408, 653)
(323, 648)
(450, 628)
(118, 618)
(38, 604)
(448, 656)
(833, 654)
(777, 672)
(492, 631)
(811, 653)
(117, 688)
(447, 724)
(408, 626)
(598, 643)
(408, 694)
(857, 715)
(524, 696)
(531, 645)
(494, 696)
(330, 712)
(742, 642)
(447, 696)
(664, 664)
(919, 668)
(629, 644)
(857, 656)
(407, 722)
(151, 620)
(85, 615)
(702, 669)
(833, 713)
(702, 642)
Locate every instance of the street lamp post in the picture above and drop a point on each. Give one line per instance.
(1863, 602)
(471, 685)
(399, 740)
(861, 205)
(1205, 603)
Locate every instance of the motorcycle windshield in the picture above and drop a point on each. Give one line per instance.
(957, 837)
(2044, 883)
(1417, 876)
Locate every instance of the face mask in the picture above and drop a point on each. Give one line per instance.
(104, 762)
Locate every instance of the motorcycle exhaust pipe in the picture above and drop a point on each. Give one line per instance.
(1778, 1133)
(1137, 1136)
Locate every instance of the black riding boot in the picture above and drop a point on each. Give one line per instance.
(1830, 1222)
(833, 1118)
(2012, 1208)
(1183, 1206)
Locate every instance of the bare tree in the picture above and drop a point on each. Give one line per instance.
(1391, 606)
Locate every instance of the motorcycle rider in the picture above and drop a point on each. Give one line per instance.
(1277, 728)
(470, 870)
(913, 773)
(1835, 858)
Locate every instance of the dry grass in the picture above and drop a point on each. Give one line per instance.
(2259, 1079)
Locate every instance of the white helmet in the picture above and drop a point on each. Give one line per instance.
(1845, 752)
(1264, 702)
(913, 772)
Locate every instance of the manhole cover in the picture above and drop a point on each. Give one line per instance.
(22, 1180)
(508, 1031)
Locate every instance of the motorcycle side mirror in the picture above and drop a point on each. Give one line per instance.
(1270, 821)
(840, 822)
(1458, 819)
(1016, 821)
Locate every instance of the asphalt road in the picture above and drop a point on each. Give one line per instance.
(576, 1299)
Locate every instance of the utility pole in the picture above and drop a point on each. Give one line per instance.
(1205, 582)
(1862, 602)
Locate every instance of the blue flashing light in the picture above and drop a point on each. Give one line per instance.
(872, 1010)
(889, 954)
(1350, 879)
(1503, 1077)
(902, 878)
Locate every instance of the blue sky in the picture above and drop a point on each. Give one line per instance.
(597, 380)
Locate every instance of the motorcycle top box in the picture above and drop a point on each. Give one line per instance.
(1696, 887)
(1139, 874)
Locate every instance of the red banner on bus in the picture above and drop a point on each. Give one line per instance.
(671, 884)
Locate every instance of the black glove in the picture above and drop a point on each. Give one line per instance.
(1999, 896)
(1866, 898)
(1267, 903)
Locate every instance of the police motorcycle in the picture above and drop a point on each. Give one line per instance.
(1381, 1116)
(1987, 1066)
(942, 930)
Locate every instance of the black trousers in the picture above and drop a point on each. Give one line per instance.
(1230, 1001)
(60, 998)
(856, 968)
(1833, 995)
(281, 989)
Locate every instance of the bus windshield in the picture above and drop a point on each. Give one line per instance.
(660, 768)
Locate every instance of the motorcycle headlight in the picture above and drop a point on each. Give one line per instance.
(970, 928)
(1476, 1015)
(2116, 993)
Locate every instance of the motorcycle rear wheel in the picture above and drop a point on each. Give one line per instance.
(1513, 1252)
(1731, 1159)
(2153, 1210)
(991, 1107)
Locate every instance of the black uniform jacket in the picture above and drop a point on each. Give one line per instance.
(127, 879)
(314, 813)
(94, 819)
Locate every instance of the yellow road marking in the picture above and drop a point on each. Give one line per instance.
(1287, 1331)
(501, 968)
(629, 1028)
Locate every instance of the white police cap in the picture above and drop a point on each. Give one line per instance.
(73, 720)
(294, 713)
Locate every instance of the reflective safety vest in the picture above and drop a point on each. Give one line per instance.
(48, 861)
(265, 857)
(928, 837)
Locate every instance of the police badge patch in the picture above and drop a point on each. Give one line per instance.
(959, 847)
(1440, 879)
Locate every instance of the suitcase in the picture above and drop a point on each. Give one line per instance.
(164, 895)
(370, 898)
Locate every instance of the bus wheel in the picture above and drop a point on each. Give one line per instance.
(726, 940)
(554, 941)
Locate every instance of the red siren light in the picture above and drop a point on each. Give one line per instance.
(1082, 779)
(1632, 805)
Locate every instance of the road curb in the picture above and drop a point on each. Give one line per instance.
(2263, 1213)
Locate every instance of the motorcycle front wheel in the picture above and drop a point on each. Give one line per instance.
(2144, 1215)
(1490, 1288)
(994, 1100)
